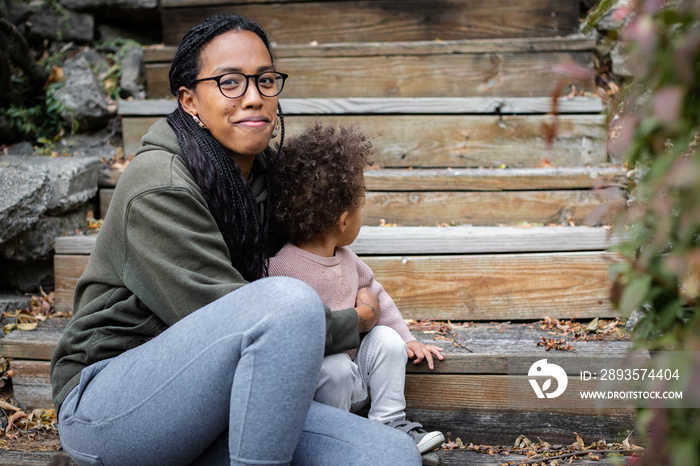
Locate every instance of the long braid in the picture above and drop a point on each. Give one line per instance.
(227, 193)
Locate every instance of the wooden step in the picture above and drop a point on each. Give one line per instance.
(301, 22)
(451, 208)
(478, 392)
(580, 196)
(470, 283)
(440, 240)
(513, 68)
(459, 457)
(435, 132)
(452, 141)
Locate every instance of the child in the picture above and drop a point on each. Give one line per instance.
(319, 195)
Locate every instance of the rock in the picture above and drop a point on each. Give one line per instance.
(28, 276)
(44, 22)
(37, 243)
(21, 148)
(84, 99)
(613, 21)
(138, 16)
(23, 199)
(619, 65)
(108, 32)
(634, 318)
(11, 302)
(133, 76)
(88, 5)
(98, 63)
(34, 187)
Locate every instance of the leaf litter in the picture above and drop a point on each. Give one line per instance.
(40, 308)
(545, 454)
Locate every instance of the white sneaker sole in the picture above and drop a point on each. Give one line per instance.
(430, 441)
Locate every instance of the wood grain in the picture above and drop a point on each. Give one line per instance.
(67, 271)
(31, 383)
(497, 287)
(165, 54)
(499, 392)
(394, 105)
(36, 344)
(456, 141)
(441, 240)
(381, 20)
(463, 287)
(508, 74)
(497, 427)
(492, 208)
(511, 179)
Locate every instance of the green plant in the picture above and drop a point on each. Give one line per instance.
(655, 131)
(39, 116)
(110, 78)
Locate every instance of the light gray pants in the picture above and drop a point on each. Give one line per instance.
(231, 383)
(378, 373)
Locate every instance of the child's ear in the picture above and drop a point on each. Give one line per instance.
(342, 220)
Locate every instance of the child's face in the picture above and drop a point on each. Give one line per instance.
(353, 222)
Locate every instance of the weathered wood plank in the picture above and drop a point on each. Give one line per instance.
(508, 74)
(381, 20)
(36, 344)
(133, 129)
(478, 240)
(510, 348)
(165, 54)
(493, 208)
(452, 140)
(492, 427)
(441, 240)
(500, 392)
(31, 383)
(473, 141)
(464, 287)
(511, 179)
(35, 458)
(67, 270)
(497, 287)
(396, 105)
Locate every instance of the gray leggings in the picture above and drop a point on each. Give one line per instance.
(231, 383)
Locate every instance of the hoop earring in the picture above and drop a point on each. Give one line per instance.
(277, 127)
(198, 121)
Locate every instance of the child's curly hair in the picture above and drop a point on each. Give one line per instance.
(318, 176)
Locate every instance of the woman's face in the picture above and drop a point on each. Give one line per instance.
(243, 126)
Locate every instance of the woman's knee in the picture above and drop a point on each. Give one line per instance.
(283, 300)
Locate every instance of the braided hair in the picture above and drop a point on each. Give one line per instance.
(231, 201)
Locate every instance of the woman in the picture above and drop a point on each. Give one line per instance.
(179, 351)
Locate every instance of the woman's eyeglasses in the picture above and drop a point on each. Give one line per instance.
(234, 85)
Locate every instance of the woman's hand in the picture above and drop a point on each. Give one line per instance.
(420, 351)
(367, 308)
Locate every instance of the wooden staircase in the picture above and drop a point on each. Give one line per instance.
(470, 216)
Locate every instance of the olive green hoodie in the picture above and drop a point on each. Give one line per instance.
(159, 256)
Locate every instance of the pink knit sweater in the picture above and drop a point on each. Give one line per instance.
(337, 280)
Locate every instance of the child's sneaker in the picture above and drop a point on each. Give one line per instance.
(425, 441)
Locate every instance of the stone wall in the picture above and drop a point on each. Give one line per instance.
(43, 197)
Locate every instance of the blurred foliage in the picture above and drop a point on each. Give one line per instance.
(40, 117)
(654, 128)
(114, 51)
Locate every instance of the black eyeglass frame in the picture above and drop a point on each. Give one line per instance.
(247, 81)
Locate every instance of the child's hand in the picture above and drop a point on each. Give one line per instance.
(420, 351)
